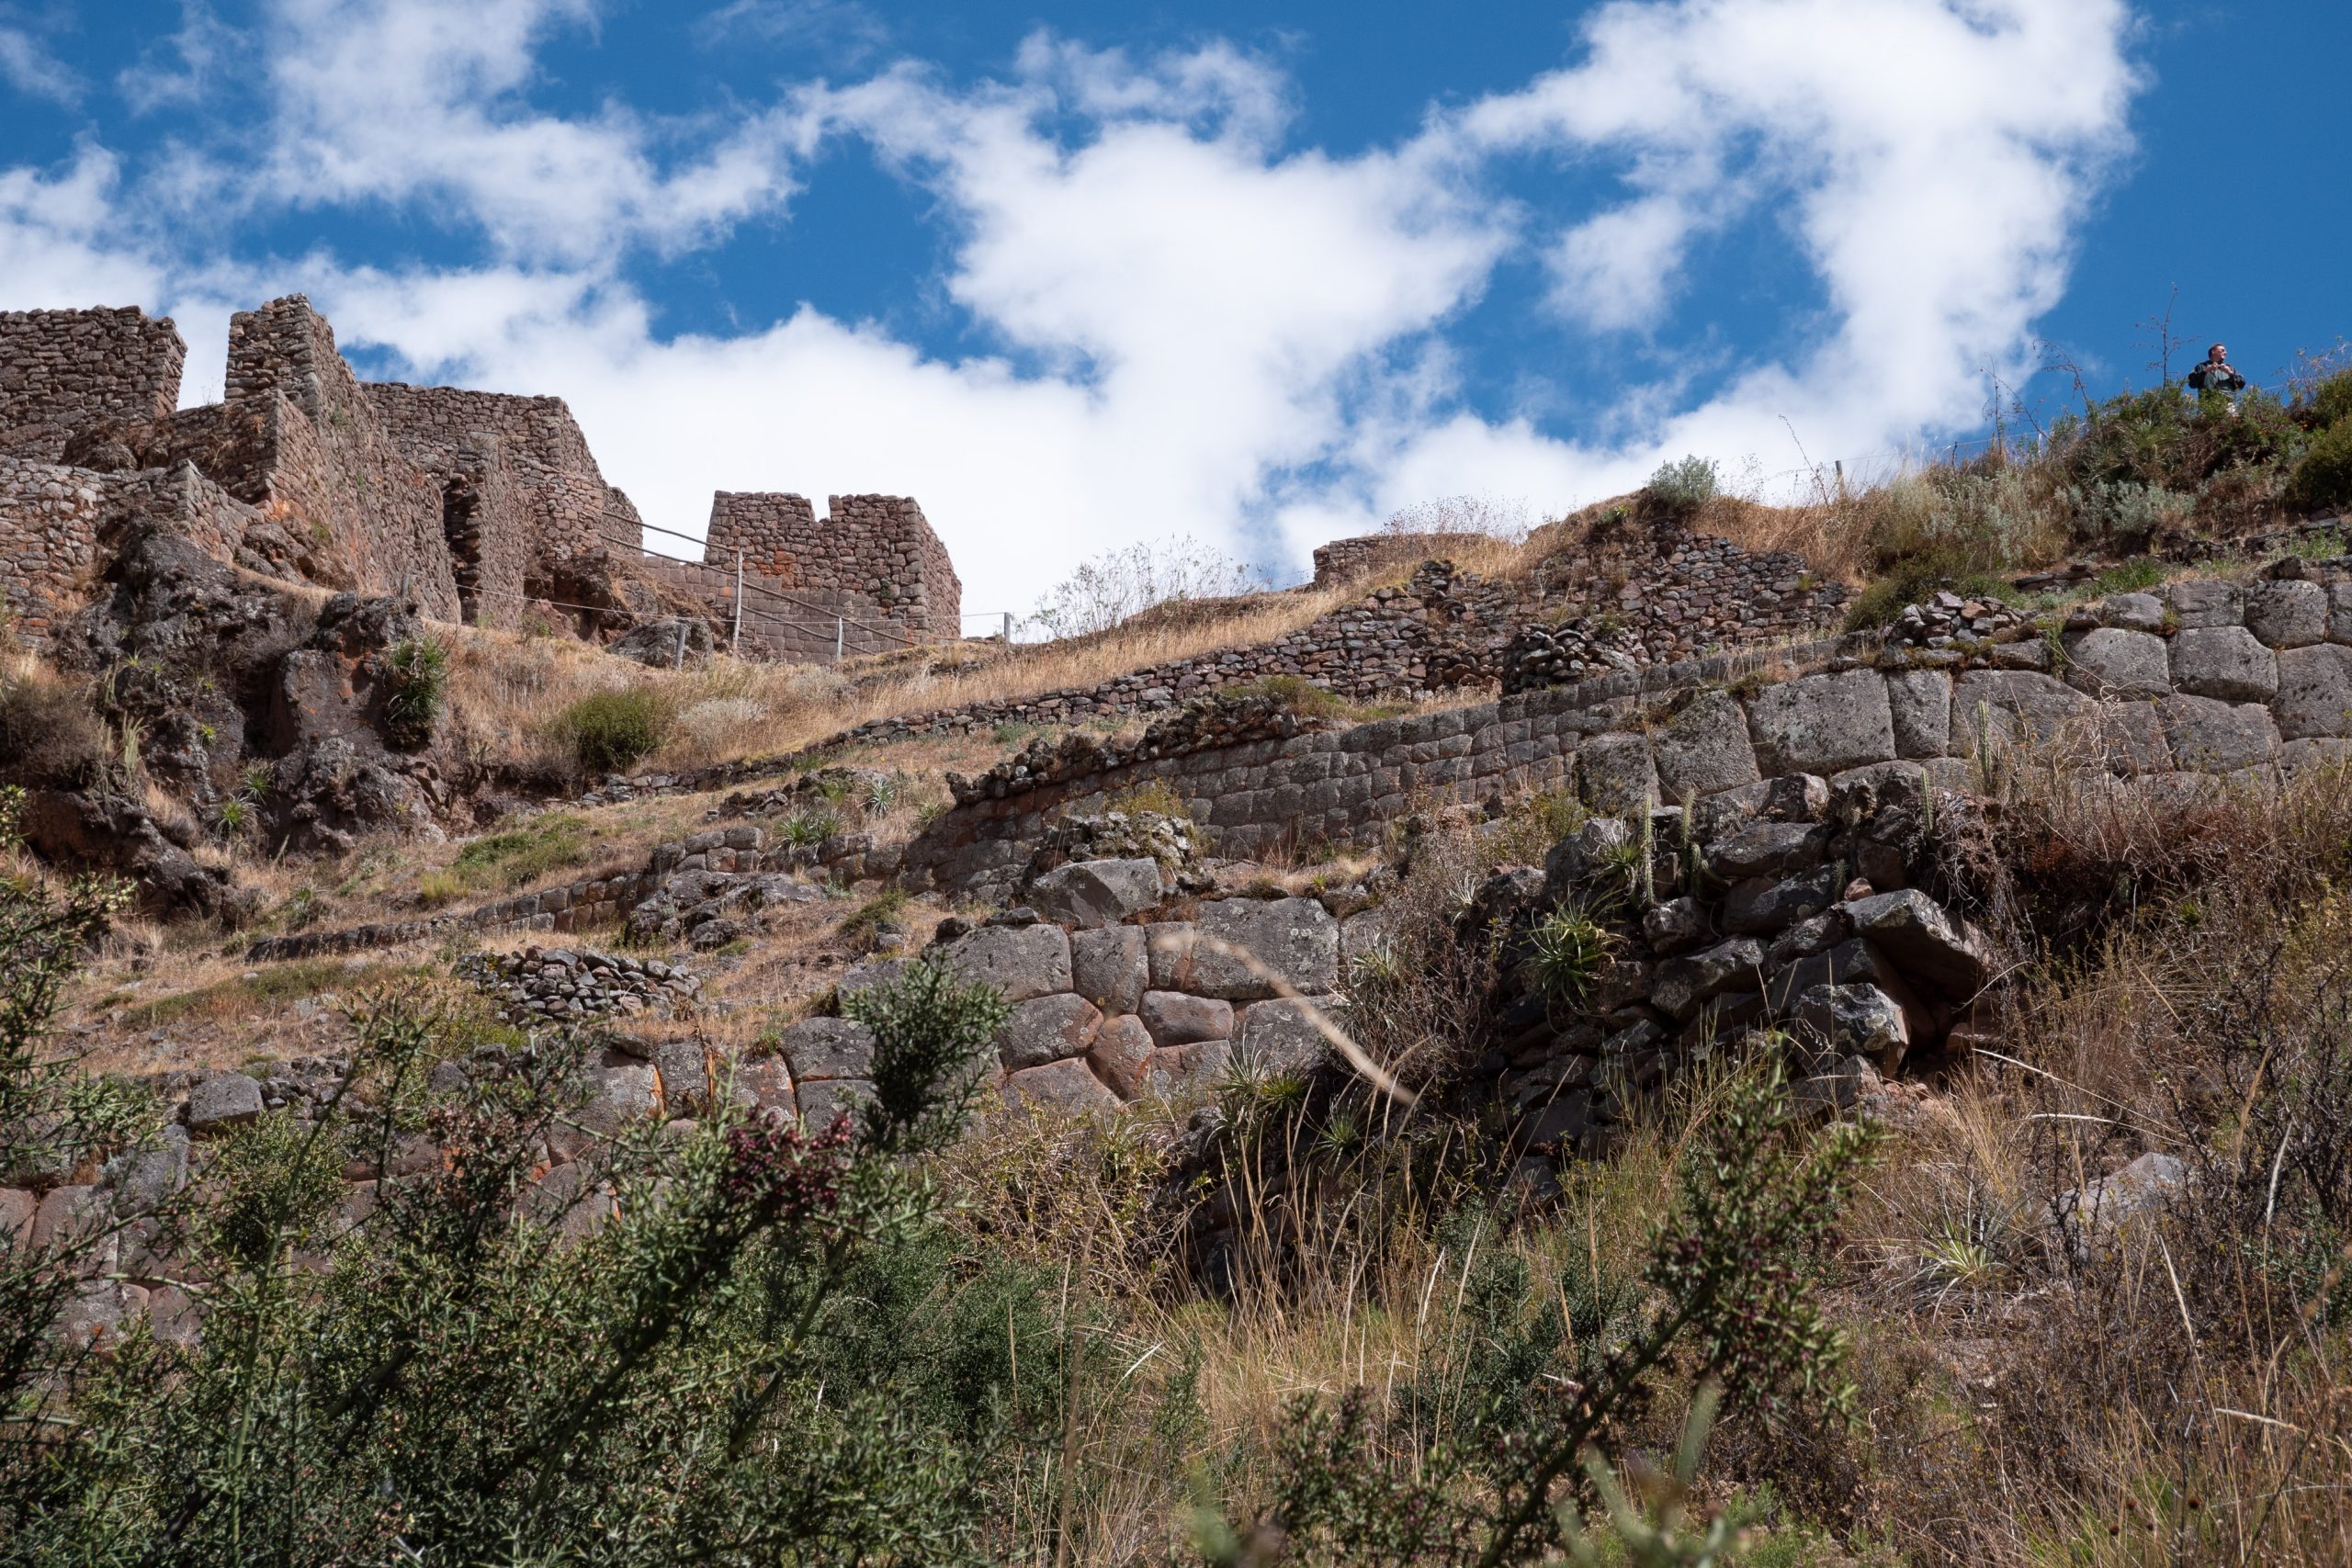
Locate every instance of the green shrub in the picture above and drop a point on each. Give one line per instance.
(610, 732)
(416, 685)
(1685, 486)
(2324, 479)
(2331, 401)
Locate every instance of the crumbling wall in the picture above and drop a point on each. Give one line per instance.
(1343, 560)
(333, 467)
(63, 371)
(879, 547)
(526, 490)
(1657, 593)
(49, 533)
(56, 522)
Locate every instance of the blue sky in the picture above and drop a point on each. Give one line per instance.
(1261, 275)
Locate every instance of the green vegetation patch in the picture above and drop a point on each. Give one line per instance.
(610, 732)
(271, 987)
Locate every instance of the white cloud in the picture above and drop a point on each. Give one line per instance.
(846, 29)
(1194, 326)
(1938, 157)
(27, 64)
(59, 247)
(182, 67)
(407, 101)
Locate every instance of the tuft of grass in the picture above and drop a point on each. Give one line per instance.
(265, 989)
(611, 733)
(514, 856)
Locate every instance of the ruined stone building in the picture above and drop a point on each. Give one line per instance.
(486, 508)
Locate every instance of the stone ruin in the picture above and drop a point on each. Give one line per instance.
(482, 507)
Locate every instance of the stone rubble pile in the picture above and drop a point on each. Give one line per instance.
(1945, 622)
(1542, 656)
(562, 984)
(1791, 907)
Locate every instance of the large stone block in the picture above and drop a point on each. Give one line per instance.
(2322, 759)
(1175, 1018)
(2314, 691)
(1121, 1056)
(1615, 774)
(1920, 703)
(222, 1101)
(1760, 905)
(1047, 1028)
(2288, 614)
(1295, 941)
(1022, 962)
(823, 1103)
(1823, 724)
(1066, 1088)
(1184, 1071)
(1704, 749)
(1923, 939)
(1091, 893)
(1281, 1036)
(2207, 735)
(1684, 984)
(1109, 967)
(1851, 962)
(2016, 706)
(1769, 849)
(1847, 1021)
(2116, 665)
(828, 1048)
(2227, 662)
(2201, 603)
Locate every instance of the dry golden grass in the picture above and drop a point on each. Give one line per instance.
(507, 688)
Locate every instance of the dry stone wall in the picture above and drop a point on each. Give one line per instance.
(1658, 593)
(878, 549)
(55, 523)
(2210, 681)
(519, 487)
(63, 371)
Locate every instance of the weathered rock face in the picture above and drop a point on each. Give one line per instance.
(671, 641)
(221, 677)
(1796, 915)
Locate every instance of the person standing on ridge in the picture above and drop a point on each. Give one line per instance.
(2217, 375)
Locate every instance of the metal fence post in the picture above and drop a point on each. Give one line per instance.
(680, 662)
(1008, 628)
(838, 634)
(735, 642)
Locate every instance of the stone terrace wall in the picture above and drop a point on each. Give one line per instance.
(880, 547)
(2210, 682)
(61, 371)
(1671, 595)
(1344, 559)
